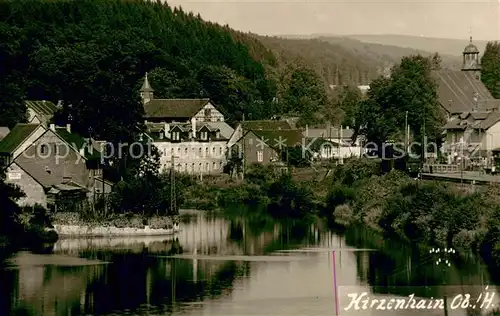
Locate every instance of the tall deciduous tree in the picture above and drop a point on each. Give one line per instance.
(305, 95)
(490, 73)
(410, 89)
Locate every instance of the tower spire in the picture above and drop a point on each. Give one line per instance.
(146, 87)
(146, 90)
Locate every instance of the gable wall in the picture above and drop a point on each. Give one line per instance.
(216, 116)
(35, 193)
(60, 159)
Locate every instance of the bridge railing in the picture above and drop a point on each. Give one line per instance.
(441, 168)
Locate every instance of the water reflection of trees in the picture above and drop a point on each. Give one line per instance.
(399, 269)
(141, 279)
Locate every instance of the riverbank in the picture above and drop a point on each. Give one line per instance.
(425, 213)
(293, 195)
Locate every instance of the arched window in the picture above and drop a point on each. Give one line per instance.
(214, 166)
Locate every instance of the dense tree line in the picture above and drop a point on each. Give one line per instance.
(94, 54)
(410, 89)
(490, 74)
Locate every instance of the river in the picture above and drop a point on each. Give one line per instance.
(237, 267)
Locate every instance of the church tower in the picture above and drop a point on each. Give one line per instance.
(471, 59)
(146, 91)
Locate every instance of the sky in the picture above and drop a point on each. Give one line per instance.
(441, 19)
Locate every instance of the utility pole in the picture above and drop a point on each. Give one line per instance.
(243, 161)
(406, 133)
(173, 197)
(444, 263)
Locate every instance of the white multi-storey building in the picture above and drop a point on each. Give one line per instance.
(192, 132)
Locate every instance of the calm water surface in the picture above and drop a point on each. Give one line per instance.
(230, 266)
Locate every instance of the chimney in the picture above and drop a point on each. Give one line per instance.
(53, 127)
(68, 127)
(193, 126)
(166, 128)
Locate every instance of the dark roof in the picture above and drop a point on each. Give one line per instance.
(266, 125)
(274, 138)
(491, 120)
(16, 137)
(42, 107)
(457, 89)
(481, 122)
(455, 124)
(78, 142)
(174, 108)
(225, 130)
(334, 133)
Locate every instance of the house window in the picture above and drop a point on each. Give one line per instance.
(208, 114)
(213, 150)
(175, 136)
(199, 151)
(206, 151)
(161, 135)
(186, 150)
(260, 156)
(171, 152)
(206, 167)
(43, 149)
(204, 135)
(199, 167)
(214, 166)
(192, 167)
(220, 150)
(217, 135)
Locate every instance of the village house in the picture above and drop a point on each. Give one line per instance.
(472, 128)
(52, 165)
(333, 143)
(190, 134)
(267, 147)
(245, 126)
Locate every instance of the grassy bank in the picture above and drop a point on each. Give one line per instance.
(427, 213)
(290, 195)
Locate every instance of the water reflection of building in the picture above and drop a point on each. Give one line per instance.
(53, 290)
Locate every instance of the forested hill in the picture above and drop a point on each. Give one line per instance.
(343, 60)
(93, 55)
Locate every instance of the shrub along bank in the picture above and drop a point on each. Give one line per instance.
(430, 213)
(279, 194)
